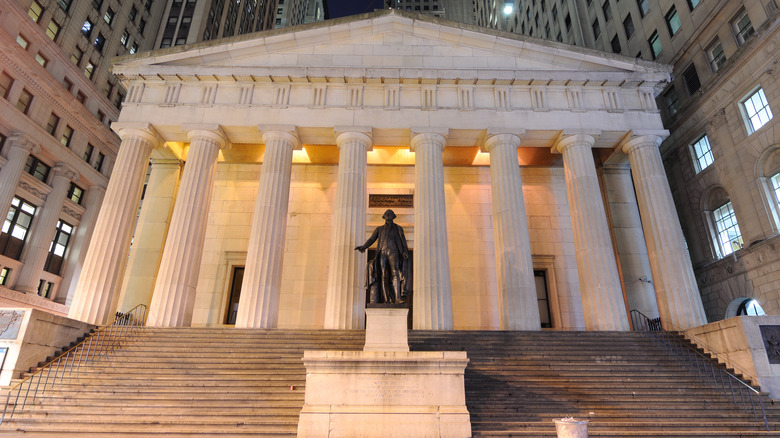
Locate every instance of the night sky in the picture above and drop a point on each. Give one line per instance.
(343, 8)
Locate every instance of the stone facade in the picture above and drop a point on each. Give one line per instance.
(436, 101)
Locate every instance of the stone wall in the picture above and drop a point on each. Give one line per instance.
(470, 236)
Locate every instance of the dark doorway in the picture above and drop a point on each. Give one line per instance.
(540, 278)
(371, 253)
(235, 294)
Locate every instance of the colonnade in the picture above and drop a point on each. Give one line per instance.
(174, 291)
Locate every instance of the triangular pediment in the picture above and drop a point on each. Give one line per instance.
(385, 44)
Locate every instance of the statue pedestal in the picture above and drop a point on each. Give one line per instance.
(385, 394)
(386, 328)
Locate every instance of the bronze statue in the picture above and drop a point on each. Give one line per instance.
(388, 271)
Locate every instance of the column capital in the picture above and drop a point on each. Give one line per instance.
(641, 141)
(24, 142)
(146, 131)
(438, 137)
(358, 136)
(496, 139)
(568, 141)
(211, 132)
(65, 170)
(286, 133)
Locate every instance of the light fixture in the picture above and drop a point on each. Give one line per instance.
(508, 7)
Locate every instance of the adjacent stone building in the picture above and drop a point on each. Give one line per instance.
(274, 155)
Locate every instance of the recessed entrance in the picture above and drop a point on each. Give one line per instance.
(540, 278)
(237, 277)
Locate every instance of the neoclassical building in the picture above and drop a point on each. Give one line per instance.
(526, 174)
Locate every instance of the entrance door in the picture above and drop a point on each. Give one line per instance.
(235, 293)
(540, 278)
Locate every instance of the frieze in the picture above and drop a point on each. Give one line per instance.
(390, 201)
(71, 212)
(32, 190)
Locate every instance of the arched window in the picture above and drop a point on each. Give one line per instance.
(744, 306)
(725, 235)
(768, 179)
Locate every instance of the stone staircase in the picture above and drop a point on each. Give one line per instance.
(234, 382)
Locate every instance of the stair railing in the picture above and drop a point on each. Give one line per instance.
(677, 347)
(91, 349)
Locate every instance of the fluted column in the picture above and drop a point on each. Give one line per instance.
(42, 233)
(432, 291)
(679, 302)
(79, 244)
(517, 300)
(97, 290)
(150, 232)
(19, 148)
(602, 296)
(258, 306)
(174, 289)
(345, 303)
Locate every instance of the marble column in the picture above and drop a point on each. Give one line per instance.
(629, 238)
(150, 233)
(602, 296)
(258, 306)
(432, 291)
(517, 300)
(97, 291)
(677, 294)
(19, 148)
(173, 298)
(79, 244)
(345, 302)
(41, 235)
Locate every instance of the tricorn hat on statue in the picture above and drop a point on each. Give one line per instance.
(389, 215)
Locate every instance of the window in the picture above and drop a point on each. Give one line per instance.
(141, 26)
(35, 11)
(45, 288)
(693, 3)
(606, 10)
(775, 182)
(76, 56)
(672, 100)
(99, 162)
(97, 4)
(107, 89)
(100, 41)
(5, 84)
(100, 115)
(729, 236)
(596, 29)
(89, 70)
(628, 26)
(81, 97)
(148, 5)
(567, 22)
(715, 55)
(118, 99)
(673, 21)
(67, 136)
(52, 30)
(134, 48)
(655, 44)
(133, 14)
(14, 230)
(51, 125)
(23, 104)
(615, 44)
(41, 60)
(108, 17)
(37, 168)
(702, 153)
(75, 193)
(58, 247)
(22, 41)
(644, 7)
(756, 110)
(125, 38)
(691, 79)
(166, 42)
(86, 28)
(88, 153)
(742, 26)
(64, 4)
(4, 274)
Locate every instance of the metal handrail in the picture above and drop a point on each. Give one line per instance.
(676, 346)
(90, 350)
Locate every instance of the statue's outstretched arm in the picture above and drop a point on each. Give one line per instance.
(369, 242)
